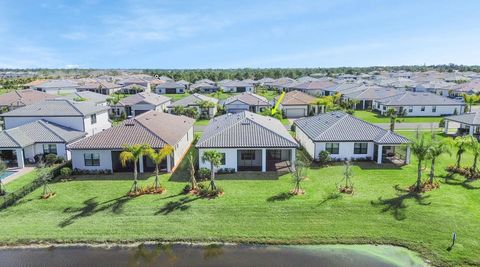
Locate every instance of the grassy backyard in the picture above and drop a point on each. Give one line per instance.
(377, 118)
(256, 208)
(202, 122)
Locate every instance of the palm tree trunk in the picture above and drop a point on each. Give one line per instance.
(135, 174)
(432, 171)
(459, 159)
(475, 158)
(212, 177)
(156, 177)
(392, 124)
(419, 175)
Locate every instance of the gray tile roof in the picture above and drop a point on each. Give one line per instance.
(313, 85)
(57, 84)
(38, 132)
(466, 118)
(144, 97)
(418, 99)
(153, 128)
(249, 99)
(340, 126)
(171, 85)
(88, 96)
(193, 100)
(58, 108)
(245, 130)
(374, 93)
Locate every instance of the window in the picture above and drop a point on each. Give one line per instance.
(422, 108)
(91, 159)
(332, 148)
(384, 107)
(49, 149)
(248, 155)
(93, 118)
(434, 109)
(410, 109)
(222, 161)
(360, 148)
(274, 154)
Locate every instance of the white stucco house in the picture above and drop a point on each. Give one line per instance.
(420, 104)
(170, 88)
(57, 87)
(137, 104)
(81, 116)
(346, 137)
(194, 101)
(296, 104)
(246, 102)
(26, 143)
(156, 129)
(463, 124)
(237, 86)
(248, 142)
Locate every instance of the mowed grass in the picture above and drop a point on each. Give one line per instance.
(202, 122)
(176, 97)
(377, 118)
(256, 208)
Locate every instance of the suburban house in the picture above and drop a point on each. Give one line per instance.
(467, 123)
(204, 87)
(346, 137)
(296, 104)
(368, 95)
(30, 142)
(20, 98)
(194, 100)
(132, 89)
(100, 87)
(248, 142)
(88, 96)
(80, 116)
(56, 87)
(315, 88)
(237, 86)
(420, 104)
(154, 128)
(137, 104)
(170, 88)
(246, 101)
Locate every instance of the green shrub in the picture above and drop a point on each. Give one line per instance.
(50, 159)
(65, 171)
(203, 173)
(324, 157)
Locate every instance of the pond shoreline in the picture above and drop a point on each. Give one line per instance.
(359, 248)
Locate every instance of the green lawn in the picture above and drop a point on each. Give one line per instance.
(256, 209)
(202, 122)
(176, 97)
(221, 95)
(377, 118)
(21, 181)
(269, 94)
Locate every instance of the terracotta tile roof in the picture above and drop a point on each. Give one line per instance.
(297, 98)
(23, 97)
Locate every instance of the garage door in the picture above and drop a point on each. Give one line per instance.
(138, 112)
(171, 91)
(236, 110)
(295, 112)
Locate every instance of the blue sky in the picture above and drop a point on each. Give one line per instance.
(231, 34)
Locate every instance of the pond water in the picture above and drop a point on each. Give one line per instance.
(211, 255)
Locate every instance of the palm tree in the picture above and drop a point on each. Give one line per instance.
(470, 100)
(461, 143)
(193, 181)
(393, 114)
(133, 153)
(157, 157)
(420, 149)
(437, 148)
(215, 159)
(474, 147)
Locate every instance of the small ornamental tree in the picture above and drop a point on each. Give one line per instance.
(215, 159)
(157, 157)
(133, 153)
(299, 174)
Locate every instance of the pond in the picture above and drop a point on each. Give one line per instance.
(211, 255)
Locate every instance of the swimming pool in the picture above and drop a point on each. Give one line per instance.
(5, 174)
